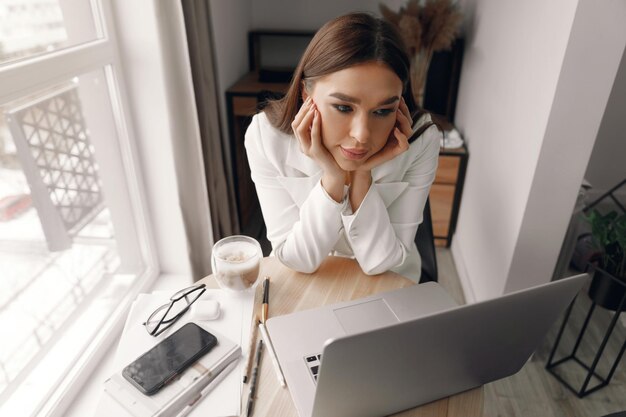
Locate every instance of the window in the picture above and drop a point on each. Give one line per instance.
(34, 27)
(74, 241)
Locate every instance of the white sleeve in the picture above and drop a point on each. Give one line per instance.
(381, 236)
(302, 237)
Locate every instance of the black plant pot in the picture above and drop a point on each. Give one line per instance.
(607, 290)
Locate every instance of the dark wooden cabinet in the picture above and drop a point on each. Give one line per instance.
(445, 193)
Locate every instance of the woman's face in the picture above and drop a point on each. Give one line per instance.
(358, 107)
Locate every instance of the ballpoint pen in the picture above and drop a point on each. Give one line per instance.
(251, 349)
(266, 299)
(270, 350)
(255, 375)
(266, 337)
(263, 329)
(206, 390)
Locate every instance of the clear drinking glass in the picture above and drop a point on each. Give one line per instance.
(236, 261)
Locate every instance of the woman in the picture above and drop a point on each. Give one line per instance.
(343, 163)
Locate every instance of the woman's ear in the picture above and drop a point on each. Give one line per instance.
(305, 93)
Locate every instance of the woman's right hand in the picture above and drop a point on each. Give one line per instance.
(307, 127)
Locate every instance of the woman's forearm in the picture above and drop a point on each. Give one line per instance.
(333, 185)
(360, 182)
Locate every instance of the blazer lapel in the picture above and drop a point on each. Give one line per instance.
(386, 179)
(299, 188)
(390, 191)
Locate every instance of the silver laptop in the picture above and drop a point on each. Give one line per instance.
(399, 349)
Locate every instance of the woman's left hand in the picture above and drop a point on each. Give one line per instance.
(398, 141)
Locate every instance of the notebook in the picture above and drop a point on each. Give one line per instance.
(233, 324)
(209, 370)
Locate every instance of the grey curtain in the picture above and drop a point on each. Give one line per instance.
(214, 146)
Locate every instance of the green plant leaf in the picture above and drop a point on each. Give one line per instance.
(609, 236)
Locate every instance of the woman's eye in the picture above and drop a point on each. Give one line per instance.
(383, 112)
(342, 108)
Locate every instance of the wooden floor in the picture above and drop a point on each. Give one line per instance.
(535, 392)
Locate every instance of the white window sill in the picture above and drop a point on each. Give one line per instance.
(85, 404)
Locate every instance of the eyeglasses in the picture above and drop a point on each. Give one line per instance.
(166, 315)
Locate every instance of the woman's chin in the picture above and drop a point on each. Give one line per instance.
(348, 165)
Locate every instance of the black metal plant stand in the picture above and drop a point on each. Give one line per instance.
(606, 299)
(591, 369)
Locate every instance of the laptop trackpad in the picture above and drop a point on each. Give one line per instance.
(365, 316)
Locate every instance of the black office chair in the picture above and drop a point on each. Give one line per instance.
(425, 242)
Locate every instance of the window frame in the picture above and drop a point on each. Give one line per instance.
(31, 74)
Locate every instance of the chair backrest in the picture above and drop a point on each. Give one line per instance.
(425, 242)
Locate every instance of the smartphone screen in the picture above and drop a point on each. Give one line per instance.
(169, 358)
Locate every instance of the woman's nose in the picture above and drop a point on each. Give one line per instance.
(359, 129)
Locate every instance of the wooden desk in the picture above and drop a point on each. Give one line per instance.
(338, 279)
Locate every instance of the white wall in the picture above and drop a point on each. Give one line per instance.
(582, 93)
(607, 166)
(530, 112)
(508, 79)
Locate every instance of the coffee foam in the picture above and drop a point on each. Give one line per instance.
(237, 265)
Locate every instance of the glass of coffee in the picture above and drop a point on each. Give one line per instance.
(236, 261)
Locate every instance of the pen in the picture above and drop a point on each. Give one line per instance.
(206, 390)
(270, 350)
(266, 299)
(255, 375)
(263, 329)
(251, 349)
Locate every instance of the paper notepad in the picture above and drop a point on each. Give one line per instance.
(175, 396)
(234, 324)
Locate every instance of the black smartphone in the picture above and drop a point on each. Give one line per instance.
(164, 362)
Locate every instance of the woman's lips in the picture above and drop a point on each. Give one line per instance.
(354, 154)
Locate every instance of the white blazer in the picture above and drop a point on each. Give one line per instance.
(304, 224)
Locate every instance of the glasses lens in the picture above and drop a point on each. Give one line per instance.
(193, 296)
(185, 291)
(177, 309)
(167, 314)
(155, 318)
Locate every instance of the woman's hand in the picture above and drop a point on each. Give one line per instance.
(307, 127)
(398, 141)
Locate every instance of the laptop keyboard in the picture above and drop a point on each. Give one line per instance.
(313, 362)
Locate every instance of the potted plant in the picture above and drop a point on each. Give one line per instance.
(609, 236)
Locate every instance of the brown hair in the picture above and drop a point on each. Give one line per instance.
(343, 42)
